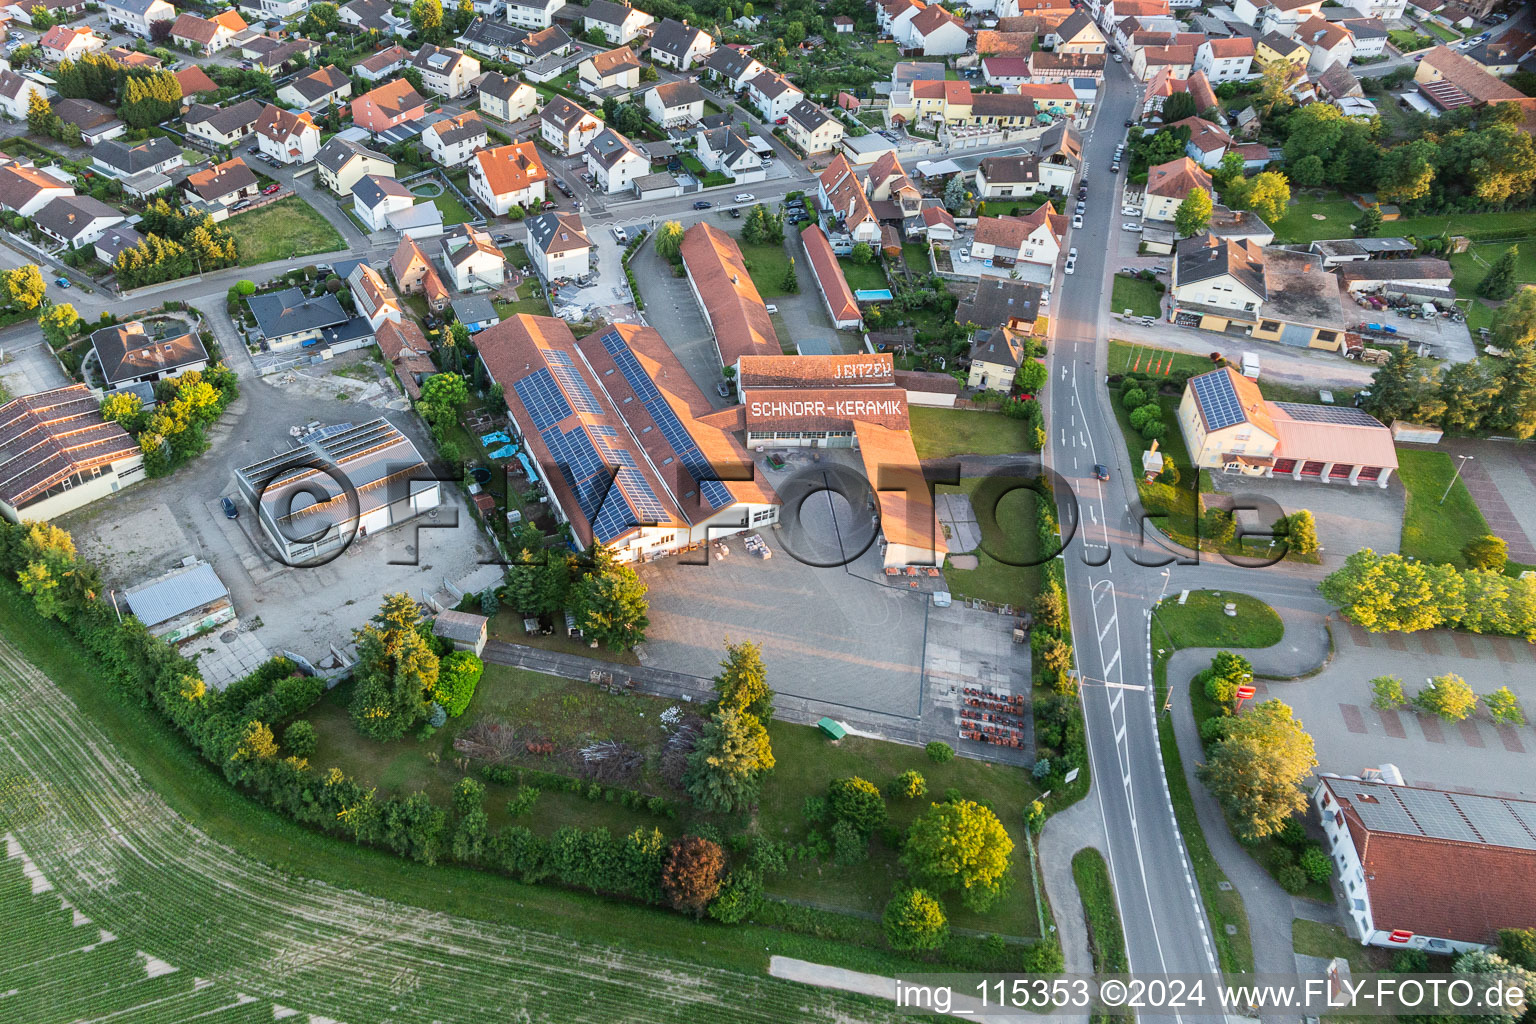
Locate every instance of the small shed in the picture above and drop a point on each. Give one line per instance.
(464, 630)
(182, 603)
(831, 728)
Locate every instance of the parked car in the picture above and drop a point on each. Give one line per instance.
(271, 188)
(563, 187)
(782, 121)
(965, 255)
(1072, 253)
(504, 239)
(324, 268)
(549, 204)
(1130, 227)
(744, 197)
(1077, 221)
(242, 204)
(702, 205)
(1130, 211)
(62, 282)
(619, 234)
(1071, 266)
(1129, 124)
(723, 390)
(1114, 168)
(231, 510)
(735, 213)
(1119, 59)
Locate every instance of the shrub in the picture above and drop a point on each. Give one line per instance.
(1043, 957)
(690, 874)
(1133, 398)
(1447, 697)
(1410, 961)
(1221, 690)
(1317, 864)
(1214, 729)
(1041, 769)
(909, 784)
(914, 920)
(1292, 879)
(1387, 693)
(246, 287)
(1504, 707)
(1486, 552)
(814, 809)
(740, 895)
(1293, 833)
(300, 739)
(849, 845)
(858, 802)
(1144, 414)
(1153, 430)
(458, 675)
(939, 752)
(522, 801)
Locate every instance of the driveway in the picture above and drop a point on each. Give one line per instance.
(670, 308)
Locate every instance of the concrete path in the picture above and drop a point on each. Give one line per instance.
(1270, 908)
(1075, 828)
(959, 1004)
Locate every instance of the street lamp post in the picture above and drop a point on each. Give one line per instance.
(1463, 461)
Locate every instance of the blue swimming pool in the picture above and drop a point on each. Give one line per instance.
(873, 295)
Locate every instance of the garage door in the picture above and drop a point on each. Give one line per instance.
(1370, 473)
(1340, 472)
(1312, 469)
(1285, 465)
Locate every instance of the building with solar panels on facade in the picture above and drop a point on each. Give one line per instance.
(1228, 426)
(625, 444)
(1428, 869)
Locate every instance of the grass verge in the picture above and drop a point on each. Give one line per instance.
(1435, 532)
(940, 433)
(1106, 939)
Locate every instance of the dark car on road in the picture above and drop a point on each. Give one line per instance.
(702, 205)
(735, 212)
(231, 510)
(1100, 472)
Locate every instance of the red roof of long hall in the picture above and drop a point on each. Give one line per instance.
(858, 369)
(829, 274)
(735, 309)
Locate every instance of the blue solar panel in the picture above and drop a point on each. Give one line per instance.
(542, 398)
(715, 493)
(611, 510)
(1218, 400)
(570, 379)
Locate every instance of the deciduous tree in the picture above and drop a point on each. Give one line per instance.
(23, 286)
(669, 241)
(1256, 769)
(1447, 697)
(690, 875)
(914, 920)
(960, 845)
(858, 802)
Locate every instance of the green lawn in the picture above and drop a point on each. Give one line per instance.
(940, 433)
(915, 255)
(1140, 297)
(766, 264)
(1174, 505)
(287, 229)
(1433, 532)
(452, 210)
(530, 299)
(1008, 532)
(863, 275)
(1125, 357)
(1106, 939)
(1201, 621)
(1448, 35)
(1407, 40)
(1299, 224)
(808, 761)
(1515, 223)
(1472, 266)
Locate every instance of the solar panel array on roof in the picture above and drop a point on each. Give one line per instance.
(1218, 399)
(576, 389)
(612, 510)
(1380, 810)
(1344, 414)
(545, 403)
(1457, 817)
(715, 493)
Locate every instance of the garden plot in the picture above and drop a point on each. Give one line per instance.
(272, 943)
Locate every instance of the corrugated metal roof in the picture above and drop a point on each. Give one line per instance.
(176, 594)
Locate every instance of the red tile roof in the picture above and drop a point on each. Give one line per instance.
(829, 274)
(735, 310)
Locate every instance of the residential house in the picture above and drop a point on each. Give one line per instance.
(938, 33)
(1002, 110)
(731, 67)
(222, 126)
(621, 23)
(1164, 85)
(287, 137)
(558, 245)
(998, 352)
(289, 319)
(1427, 869)
(451, 141)
(1224, 60)
(1113, 12)
(20, 11)
(372, 16)
(1449, 80)
(472, 260)
(16, 94)
(773, 95)
(938, 225)
(138, 16)
(1383, 10)
(542, 49)
(61, 455)
(97, 122)
(1169, 184)
(1370, 36)
(383, 63)
(1276, 15)
(207, 35)
(723, 150)
(991, 43)
(415, 275)
(841, 195)
(509, 99)
(1045, 66)
(813, 129)
(672, 104)
(567, 126)
(115, 242)
(77, 221)
(127, 355)
(317, 90)
(1058, 99)
(194, 82)
(532, 13)
(894, 18)
(842, 25)
(445, 72)
(1035, 237)
(387, 106)
(66, 42)
(507, 176)
(1229, 427)
(273, 55)
(476, 313)
(830, 280)
(1222, 284)
(1177, 60)
(615, 162)
(1005, 72)
(383, 203)
(1078, 34)
(342, 163)
(732, 306)
(406, 349)
(617, 69)
(1208, 141)
(26, 189)
(1330, 41)
(494, 39)
(221, 185)
(675, 44)
(1273, 46)
(121, 161)
(1007, 177)
(1336, 83)
(375, 300)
